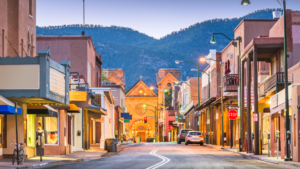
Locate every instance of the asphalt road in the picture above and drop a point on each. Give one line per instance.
(169, 156)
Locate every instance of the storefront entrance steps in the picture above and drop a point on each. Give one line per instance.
(263, 157)
(79, 156)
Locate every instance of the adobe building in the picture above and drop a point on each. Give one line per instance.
(18, 28)
(140, 102)
(116, 76)
(81, 52)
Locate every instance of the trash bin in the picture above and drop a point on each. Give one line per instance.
(111, 144)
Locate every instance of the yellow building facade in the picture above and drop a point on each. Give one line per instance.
(140, 102)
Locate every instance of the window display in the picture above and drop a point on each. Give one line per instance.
(31, 130)
(49, 127)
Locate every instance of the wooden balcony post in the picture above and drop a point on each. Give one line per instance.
(256, 137)
(249, 104)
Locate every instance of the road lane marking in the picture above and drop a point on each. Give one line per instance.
(165, 160)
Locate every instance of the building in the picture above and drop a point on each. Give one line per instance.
(141, 102)
(116, 76)
(81, 52)
(18, 28)
(165, 79)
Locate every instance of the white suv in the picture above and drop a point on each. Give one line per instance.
(194, 137)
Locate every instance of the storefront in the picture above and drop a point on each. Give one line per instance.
(35, 84)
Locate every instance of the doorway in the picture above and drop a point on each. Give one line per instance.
(98, 132)
(142, 135)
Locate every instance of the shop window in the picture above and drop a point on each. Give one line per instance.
(31, 134)
(25, 131)
(49, 127)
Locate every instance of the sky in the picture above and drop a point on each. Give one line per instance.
(155, 18)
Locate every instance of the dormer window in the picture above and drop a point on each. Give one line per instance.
(30, 7)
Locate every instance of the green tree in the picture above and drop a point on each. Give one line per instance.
(104, 77)
(168, 98)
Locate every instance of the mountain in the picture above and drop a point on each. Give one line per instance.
(139, 54)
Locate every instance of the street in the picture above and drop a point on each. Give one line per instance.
(169, 156)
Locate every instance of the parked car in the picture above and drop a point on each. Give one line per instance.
(194, 137)
(182, 134)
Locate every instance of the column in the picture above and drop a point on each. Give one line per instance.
(282, 134)
(249, 104)
(272, 137)
(242, 115)
(103, 124)
(256, 123)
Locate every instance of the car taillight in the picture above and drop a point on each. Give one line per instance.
(181, 135)
(189, 136)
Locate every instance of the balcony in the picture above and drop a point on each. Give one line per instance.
(275, 80)
(231, 83)
(79, 87)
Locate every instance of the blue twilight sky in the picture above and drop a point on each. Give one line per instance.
(155, 18)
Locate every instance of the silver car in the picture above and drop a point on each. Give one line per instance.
(194, 137)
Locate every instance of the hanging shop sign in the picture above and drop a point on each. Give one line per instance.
(255, 117)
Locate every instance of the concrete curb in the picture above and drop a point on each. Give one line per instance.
(60, 162)
(265, 160)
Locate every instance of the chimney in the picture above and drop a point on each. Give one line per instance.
(276, 14)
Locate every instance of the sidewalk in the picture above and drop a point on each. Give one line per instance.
(263, 157)
(79, 156)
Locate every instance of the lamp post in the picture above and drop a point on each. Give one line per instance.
(155, 112)
(213, 41)
(164, 91)
(203, 59)
(287, 122)
(208, 88)
(178, 61)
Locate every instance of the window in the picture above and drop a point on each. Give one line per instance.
(3, 126)
(49, 127)
(30, 7)
(31, 134)
(169, 85)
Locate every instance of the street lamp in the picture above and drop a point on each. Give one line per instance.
(179, 61)
(164, 91)
(287, 123)
(239, 68)
(245, 2)
(203, 59)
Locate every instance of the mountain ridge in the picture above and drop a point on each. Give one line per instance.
(121, 47)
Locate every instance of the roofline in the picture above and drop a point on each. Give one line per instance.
(265, 20)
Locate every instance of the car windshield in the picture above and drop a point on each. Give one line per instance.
(195, 133)
(185, 131)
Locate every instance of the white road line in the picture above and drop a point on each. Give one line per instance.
(165, 160)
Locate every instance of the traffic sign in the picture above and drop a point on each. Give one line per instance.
(232, 114)
(233, 107)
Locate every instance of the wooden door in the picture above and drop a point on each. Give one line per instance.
(143, 137)
(98, 132)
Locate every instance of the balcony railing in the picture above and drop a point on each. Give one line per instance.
(231, 83)
(271, 82)
(79, 87)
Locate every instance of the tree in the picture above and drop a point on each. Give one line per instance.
(127, 89)
(168, 98)
(104, 77)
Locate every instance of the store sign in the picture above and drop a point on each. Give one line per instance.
(251, 98)
(57, 82)
(273, 101)
(216, 116)
(16, 77)
(208, 121)
(78, 96)
(255, 117)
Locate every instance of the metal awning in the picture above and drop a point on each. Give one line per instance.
(73, 108)
(42, 111)
(8, 107)
(95, 109)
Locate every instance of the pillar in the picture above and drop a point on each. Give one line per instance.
(242, 115)
(249, 104)
(272, 137)
(282, 134)
(256, 123)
